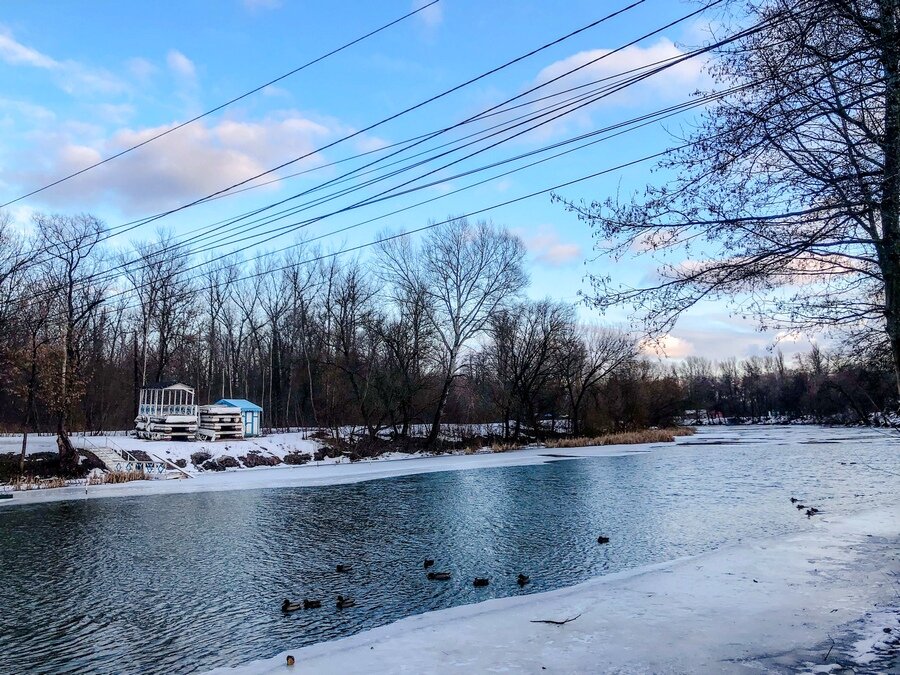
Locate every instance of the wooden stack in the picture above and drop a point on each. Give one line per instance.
(220, 421)
(172, 428)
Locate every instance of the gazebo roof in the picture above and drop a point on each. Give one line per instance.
(169, 384)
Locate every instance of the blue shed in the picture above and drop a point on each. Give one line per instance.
(251, 413)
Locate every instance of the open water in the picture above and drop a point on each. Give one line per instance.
(184, 583)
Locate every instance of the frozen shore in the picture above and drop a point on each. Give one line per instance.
(772, 605)
(328, 472)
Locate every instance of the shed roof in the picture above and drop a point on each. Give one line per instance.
(241, 403)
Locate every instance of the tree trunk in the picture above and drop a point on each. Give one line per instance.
(890, 195)
(22, 456)
(442, 400)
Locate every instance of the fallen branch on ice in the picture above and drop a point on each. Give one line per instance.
(555, 623)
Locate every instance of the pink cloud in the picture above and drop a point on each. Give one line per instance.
(548, 249)
(189, 163)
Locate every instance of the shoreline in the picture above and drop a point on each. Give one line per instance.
(766, 605)
(331, 473)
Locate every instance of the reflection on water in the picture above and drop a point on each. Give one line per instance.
(179, 583)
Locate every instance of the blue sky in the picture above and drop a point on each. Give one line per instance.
(82, 81)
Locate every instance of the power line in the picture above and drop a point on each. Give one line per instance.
(222, 106)
(582, 100)
(144, 221)
(618, 86)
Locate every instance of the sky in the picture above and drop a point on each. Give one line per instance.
(83, 81)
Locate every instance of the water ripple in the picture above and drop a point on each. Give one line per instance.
(179, 583)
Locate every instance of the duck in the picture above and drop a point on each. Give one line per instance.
(602, 540)
(522, 580)
(343, 602)
(288, 606)
(480, 581)
(811, 512)
(438, 576)
(343, 568)
(427, 564)
(794, 500)
(800, 507)
(312, 604)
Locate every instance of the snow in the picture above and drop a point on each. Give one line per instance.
(326, 472)
(275, 444)
(747, 608)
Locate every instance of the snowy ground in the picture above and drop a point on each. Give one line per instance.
(278, 445)
(327, 472)
(770, 606)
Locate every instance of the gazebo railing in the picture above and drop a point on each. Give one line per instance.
(164, 410)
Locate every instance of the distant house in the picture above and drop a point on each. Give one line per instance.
(251, 413)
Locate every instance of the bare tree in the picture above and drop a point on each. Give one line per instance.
(408, 343)
(353, 345)
(468, 272)
(787, 194)
(16, 256)
(591, 355)
(73, 260)
(528, 343)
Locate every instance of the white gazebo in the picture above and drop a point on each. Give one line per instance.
(166, 412)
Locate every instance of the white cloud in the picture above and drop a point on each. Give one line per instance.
(28, 110)
(189, 163)
(114, 113)
(678, 80)
(503, 185)
(367, 143)
(275, 92)
(667, 346)
(673, 84)
(181, 65)
(15, 53)
(71, 76)
(547, 247)
(432, 17)
(140, 68)
(716, 335)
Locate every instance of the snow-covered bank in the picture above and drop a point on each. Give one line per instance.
(768, 606)
(328, 472)
(273, 445)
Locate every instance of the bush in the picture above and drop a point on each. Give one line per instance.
(210, 465)
(254, 458)
(181, 463)
(228, 462)
(198, 458)
(297, 458)
(318, 455)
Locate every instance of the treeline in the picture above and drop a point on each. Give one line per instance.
(817, 386)
(411, 336)
(414, 335)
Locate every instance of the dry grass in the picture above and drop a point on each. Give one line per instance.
(118, 477)
(28, 483)
(506, 447)
(626, 438)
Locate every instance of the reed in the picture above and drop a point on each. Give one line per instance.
(30, 483)
(506, 447)
(666, 435)
(120, 477)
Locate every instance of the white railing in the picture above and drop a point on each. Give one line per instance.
(180, 410)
